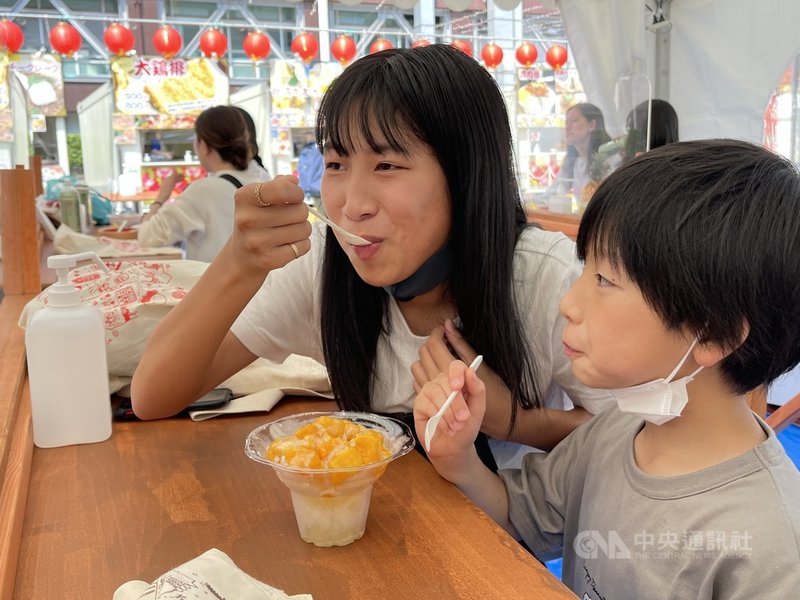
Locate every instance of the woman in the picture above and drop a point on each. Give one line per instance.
(419, 161)
(584, 133)
(663, 127)
(255, 167)
(202, 216)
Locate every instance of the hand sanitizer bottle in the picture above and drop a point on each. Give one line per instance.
(66, 348)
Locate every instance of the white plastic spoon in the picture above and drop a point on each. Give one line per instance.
(433, 422)
(351, 238)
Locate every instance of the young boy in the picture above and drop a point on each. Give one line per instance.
(690, 298)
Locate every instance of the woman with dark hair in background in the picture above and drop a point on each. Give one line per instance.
(584, 133)
(202, 216)
(663, 127)
(256, 168)
(419, 161)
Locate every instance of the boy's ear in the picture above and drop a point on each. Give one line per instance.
(708, 355)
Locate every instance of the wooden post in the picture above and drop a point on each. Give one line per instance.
(36, 169)
(21, 273)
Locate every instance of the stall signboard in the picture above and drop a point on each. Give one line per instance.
(296, 90)
(158, 86)
(6, 120)
(43, 80)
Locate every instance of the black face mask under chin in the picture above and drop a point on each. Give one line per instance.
(431, 273)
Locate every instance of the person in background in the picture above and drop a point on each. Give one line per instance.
(309, 170)
(255, 168)
(202, 216)
(419, 161)
(680, 491)
(663, 127)
(584, 133)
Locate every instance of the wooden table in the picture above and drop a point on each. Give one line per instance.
(550, 221)
(160, 493)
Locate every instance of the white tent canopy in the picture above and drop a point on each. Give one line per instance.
(725, 58)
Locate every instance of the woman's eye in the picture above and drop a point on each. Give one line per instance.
(602, 281)
(385, 167)
(335, 166)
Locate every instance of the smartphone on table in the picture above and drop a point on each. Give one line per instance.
(214, 399)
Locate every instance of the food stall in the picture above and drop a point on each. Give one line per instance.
(296, 89)
(156, 103)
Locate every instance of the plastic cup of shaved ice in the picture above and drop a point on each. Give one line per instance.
(330, 504)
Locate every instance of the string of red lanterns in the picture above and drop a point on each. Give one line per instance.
(66, 40)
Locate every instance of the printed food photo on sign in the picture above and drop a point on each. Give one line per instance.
(43, 80)
(536, 98)
(152, 86)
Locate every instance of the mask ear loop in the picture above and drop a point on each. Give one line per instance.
(683, 360)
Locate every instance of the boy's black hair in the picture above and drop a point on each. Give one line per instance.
(440, 97)
(710, 233)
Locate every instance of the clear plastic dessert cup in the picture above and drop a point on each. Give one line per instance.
(330, 505)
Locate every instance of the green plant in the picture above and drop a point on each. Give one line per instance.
(74, 152)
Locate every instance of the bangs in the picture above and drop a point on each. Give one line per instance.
(599, 235)
(368, 108)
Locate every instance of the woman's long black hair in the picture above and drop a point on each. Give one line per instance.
(445, 99)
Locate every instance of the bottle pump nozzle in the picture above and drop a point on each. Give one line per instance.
(63, 293)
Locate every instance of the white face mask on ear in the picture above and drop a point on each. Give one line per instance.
(660, 400)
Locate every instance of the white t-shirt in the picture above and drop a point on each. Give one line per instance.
(257, 172)
(283, 318)
(202, 216)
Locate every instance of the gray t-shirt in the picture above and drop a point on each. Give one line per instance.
(730, 531)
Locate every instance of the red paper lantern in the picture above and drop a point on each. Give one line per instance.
(420, 43)
(213, 43)
(527, 54)
(462, 45)
(13, 36)
(379, 45)
(65, 39)
(492, 55)
(119, 39)
(305, 46)
(556, 56)
(343, 49)
(256, 45)
(167, 41)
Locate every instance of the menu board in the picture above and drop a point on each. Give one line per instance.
(43, 80)
(152, 86)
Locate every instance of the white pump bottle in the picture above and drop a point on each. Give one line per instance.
(66, 349)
